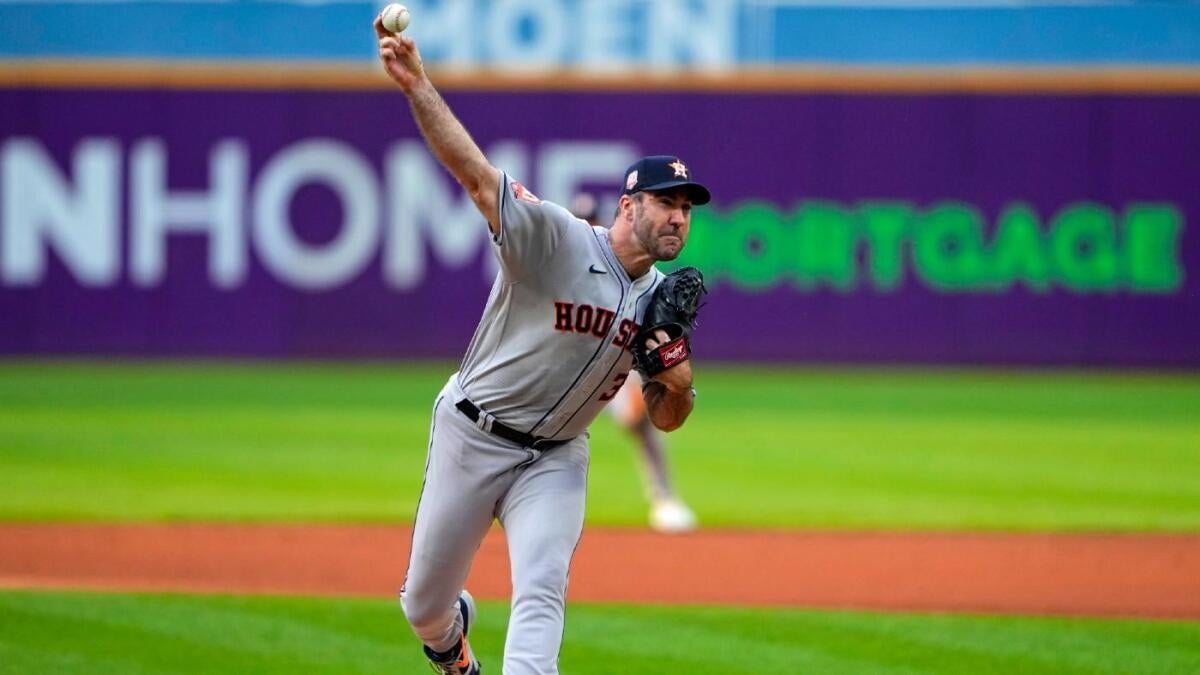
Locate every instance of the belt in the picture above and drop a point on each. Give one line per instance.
(503, 430)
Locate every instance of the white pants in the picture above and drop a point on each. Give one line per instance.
(471, 477)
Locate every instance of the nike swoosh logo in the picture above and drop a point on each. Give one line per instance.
(593, 270)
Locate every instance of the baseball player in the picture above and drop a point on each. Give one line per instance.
(668, 512)
(558, 336)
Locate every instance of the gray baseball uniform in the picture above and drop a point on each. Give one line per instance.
(552, 348)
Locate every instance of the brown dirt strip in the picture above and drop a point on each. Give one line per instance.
(1137, 575)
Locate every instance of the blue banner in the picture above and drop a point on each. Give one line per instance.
(617, 34)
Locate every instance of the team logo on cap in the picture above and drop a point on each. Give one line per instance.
(631, 180)
(680, 168)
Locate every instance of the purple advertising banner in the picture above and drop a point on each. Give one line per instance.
(850, 228)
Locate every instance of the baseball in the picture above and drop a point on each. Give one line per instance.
(396, 18)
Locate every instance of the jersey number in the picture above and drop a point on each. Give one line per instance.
(617, 382)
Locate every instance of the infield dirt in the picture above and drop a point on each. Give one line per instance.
(1131, 575)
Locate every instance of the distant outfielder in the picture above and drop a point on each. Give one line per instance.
(558, 337)
(668, 512)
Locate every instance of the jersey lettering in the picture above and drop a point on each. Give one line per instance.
(585, 319)
(604, 321)
(563, 311)
(625, 333)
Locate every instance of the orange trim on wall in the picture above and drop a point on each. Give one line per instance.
(324, 75)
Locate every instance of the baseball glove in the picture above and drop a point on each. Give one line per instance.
(672, 309)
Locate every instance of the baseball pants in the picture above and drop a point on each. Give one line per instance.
(471, 477)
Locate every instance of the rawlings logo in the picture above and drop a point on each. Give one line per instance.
(673, 352)
(521, 192)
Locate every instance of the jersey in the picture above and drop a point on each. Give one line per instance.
(554, 344)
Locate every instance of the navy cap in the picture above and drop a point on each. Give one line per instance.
(663, 172)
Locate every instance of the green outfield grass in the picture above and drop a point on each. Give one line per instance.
(766, 447)
(123, 634)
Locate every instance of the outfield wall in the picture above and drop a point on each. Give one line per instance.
(1044, 228)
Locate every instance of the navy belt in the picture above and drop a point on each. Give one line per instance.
(506, 432)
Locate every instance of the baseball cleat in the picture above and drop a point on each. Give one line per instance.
(672, 516)
(460, 660)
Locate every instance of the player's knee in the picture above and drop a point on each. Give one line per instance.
(542, 581)
(427, 615)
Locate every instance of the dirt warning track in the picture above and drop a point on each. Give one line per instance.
(1135, 575)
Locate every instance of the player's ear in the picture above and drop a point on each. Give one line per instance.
(625, 208)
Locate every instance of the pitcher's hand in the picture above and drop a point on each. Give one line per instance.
(401, 60)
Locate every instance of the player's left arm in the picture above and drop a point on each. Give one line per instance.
(669, 396)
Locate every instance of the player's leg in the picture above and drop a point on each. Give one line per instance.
(668, 512)
(542, 517)
(454, 513)
(629, 409)
(654, 460)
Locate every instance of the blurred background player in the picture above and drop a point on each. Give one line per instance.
(668, 512)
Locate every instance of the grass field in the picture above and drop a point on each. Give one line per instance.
(888, 449)
(123, 634)
(768, 447)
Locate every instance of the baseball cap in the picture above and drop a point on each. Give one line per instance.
(663, 172)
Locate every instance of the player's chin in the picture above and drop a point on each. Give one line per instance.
(669, 250)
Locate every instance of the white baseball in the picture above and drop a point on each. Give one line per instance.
(396, 18)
